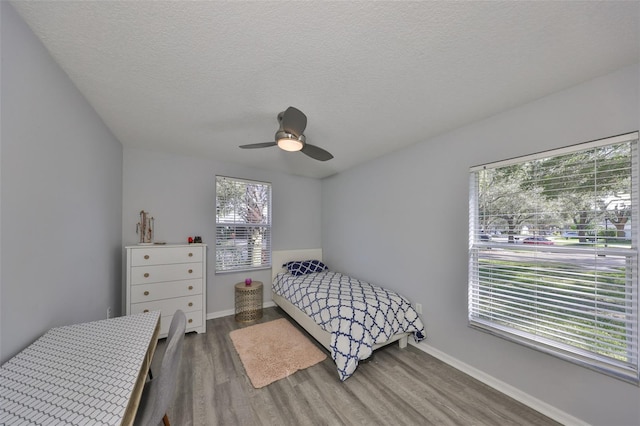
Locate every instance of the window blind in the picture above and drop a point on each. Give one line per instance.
(243, 224)
(553, 259)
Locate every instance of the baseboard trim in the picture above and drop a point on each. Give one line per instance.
(227, 312)
(515, 393)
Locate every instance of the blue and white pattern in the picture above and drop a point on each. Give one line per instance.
(305, 267)
(357, 314)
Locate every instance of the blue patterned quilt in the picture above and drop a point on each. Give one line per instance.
(356, 313)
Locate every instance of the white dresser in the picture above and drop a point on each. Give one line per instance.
(166, 278)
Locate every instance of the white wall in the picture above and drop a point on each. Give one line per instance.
(179, 192)
(61, 192)
(401, 221)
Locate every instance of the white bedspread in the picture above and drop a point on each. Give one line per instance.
(356, 313)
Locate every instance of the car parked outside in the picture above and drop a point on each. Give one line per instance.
(538, 240)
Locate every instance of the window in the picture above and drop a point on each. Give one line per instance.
(553, 253)
(243, 224)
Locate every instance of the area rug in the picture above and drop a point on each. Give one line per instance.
(274, 350)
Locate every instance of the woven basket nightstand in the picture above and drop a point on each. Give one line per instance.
(248, 301)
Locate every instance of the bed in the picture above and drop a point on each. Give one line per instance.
(350, 329)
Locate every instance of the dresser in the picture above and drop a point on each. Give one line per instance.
(166, 278)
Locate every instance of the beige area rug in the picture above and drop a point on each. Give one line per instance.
(274, 350)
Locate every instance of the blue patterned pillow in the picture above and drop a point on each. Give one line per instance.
(305, 267)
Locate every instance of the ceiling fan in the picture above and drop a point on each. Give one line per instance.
(290, 136)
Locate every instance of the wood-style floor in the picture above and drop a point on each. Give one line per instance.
(396, 387)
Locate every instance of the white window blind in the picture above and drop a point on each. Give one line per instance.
(553, 253)
(243, 224)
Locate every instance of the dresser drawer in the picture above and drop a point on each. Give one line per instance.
(169, 306)
(165, 278)
(194, 320)
(165, 290)
(153, 256)
(160, 273)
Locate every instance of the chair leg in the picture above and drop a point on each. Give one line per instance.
(165, 420)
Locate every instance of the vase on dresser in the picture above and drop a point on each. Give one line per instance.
(166, 278)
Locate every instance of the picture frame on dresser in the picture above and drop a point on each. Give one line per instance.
(166, 278)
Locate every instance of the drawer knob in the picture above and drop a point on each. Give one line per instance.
(146, 256)
(190, 321)
(146, 293)
(190, 254)
(190, 304)
(191, 271)
(146, 275)
(145, 311)
(190, 287)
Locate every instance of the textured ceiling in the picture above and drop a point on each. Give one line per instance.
(201, 78)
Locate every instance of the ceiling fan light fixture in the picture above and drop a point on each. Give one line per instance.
(289, 142)
(290, 137)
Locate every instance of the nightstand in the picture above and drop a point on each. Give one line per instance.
(248, 301)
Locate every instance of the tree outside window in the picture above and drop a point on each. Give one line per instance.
(553, 260)
(243, 224)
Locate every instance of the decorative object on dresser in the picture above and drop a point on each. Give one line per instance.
(145, 228)
(248, 300)
(167, 278)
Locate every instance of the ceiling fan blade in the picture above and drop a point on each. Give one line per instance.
(294, 121)
(258, 145)
(316, 153)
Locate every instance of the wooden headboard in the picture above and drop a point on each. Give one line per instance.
(279, 257)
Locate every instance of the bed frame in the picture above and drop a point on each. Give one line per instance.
(323, 337)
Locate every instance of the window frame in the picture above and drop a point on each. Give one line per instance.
(484, 319)
(234, 221)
